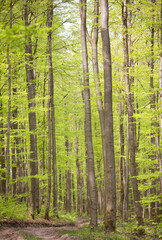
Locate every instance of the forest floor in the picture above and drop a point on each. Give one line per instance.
(38, 230)
(53, 230)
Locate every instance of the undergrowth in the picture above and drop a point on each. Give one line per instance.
(12, 209)
(98, 233)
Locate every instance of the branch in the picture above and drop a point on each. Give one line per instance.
(3, 85)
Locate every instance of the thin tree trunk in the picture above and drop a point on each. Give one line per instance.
(126, 187)
(60, 192)
(49, 155)
(160, 87)
(9, 118)
(42, 161)
(131, 120)
(122, 171)
(94, 43)
(9, 111)
(68, 191)
(152, 106)
(110, 182)
(88, 188)
(86, 201)
(79, 178)
(68, 178)
(73, 193)
(88, 130)
(2, 151)
(54, 163)
(15, 147)
(122, 159)
(32, 118)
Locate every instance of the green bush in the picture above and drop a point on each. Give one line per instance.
(12, 209)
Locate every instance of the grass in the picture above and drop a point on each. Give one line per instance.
(25, 235)
(98, 233)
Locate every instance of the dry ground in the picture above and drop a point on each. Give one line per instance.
(46, 230)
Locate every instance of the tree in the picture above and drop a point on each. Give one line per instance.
(9, 110)
(110, 182)
(88, 128)
(2, 155)
(131, 120)
(94, 44)
(160, 86)
(32, 115)
(51, 119)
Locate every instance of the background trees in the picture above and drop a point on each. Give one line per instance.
(39, 49)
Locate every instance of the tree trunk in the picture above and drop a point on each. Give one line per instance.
(2, 152)
(88, 130)
(110, 182)
(68, 191)
(126, 186)
(49, 155)
(122, 168)
(9, 111)
(42, 161)
(131, 120)
(51, 116)
(73, 193)
(32, 118)
(68, 178)
(54, 163)
(122, 159)
(79, 178)
(9, 118)
(15, 148)
(160, 87)
(94, 42)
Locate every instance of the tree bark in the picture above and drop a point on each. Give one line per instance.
(110, 182)
(15, 148)
(131, 120)
(160, 97)
(51, 115)
(32, 117)
(94, 44)
(49, 155)
(68, 177)
(126, 185)
(9, 111)
(122, 159)
(54, 162)
(79, 178)
(88, 130)
(2, 152)
(152, 106)
(9, 124)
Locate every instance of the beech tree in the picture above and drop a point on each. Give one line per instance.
(110, 182)
(131, 120)
(51, 120)
(88, 127)
(32, 115)
(160, 87)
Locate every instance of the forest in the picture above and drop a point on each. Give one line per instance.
(81, 114)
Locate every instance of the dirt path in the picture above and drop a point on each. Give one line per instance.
(17, 230)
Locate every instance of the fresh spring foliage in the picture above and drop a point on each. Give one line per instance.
(25, 53)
